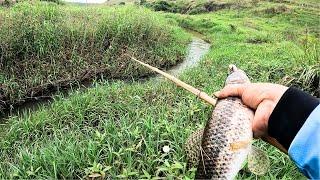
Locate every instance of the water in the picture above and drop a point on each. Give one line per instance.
(197, 49)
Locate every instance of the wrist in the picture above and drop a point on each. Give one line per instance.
(289, 115)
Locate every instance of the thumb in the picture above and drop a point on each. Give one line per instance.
(261, 118)
(231, 90)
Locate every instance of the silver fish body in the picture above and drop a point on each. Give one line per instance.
(227, 136)
(226, 140)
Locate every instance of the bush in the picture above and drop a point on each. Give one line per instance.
(274, 10)
(162, 6)
(184, 7)
(7, 2)
(54, 1)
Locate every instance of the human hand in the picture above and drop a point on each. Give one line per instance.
(262, 97)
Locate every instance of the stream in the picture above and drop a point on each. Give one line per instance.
(196, 50)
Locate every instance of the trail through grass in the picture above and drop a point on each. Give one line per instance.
(117, 130)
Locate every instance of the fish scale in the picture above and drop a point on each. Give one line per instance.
(226, 139)
(230, 125)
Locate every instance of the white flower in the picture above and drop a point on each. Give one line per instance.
(166, 149)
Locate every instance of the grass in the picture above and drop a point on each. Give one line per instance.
(44, 43)
(117, 2)
(118, 129)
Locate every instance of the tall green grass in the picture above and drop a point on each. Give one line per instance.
(117, 130)
(46, 43)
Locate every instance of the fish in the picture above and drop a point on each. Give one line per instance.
(220, 149)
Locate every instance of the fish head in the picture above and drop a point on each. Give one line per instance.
(236, 76)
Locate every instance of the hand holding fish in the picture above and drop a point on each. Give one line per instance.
(262, 97)
(287, 118)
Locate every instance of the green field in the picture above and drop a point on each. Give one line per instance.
(116, 128)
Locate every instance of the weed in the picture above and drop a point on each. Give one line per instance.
(44, 43)
(274, 10)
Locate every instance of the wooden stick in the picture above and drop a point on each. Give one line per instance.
(274, 143)
(197, 92)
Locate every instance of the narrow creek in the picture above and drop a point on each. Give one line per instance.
(196, 50)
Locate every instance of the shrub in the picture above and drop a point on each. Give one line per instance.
(162, 6)
(54, 1)
(273, 10)
(7, 2)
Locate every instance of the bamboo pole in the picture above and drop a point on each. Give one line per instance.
(274, 143)
(202, 95)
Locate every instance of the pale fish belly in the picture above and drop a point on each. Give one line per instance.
(226, 140)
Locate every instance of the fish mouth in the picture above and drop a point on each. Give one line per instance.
(232, 68)
(236, 76)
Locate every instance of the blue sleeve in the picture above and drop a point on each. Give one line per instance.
(305, 147)
(295, 124)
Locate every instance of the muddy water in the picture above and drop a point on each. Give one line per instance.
(197, 49)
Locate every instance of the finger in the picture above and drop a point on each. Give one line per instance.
(254, 95)
(231, 90)
(261, 118)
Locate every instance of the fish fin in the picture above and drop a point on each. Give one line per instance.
(192, 148)
(236, 146)
(258, 161)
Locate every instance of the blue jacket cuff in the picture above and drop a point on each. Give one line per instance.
(305, 147)
(289, 115)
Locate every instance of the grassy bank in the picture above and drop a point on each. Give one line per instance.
(118, 130)
(44, 45)
(277, 42)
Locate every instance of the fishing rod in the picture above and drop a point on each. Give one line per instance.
(204, 96)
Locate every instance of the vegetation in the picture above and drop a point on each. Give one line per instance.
(6, 3)
(120, 2)
(54, 1)
(44, 45)
(280, 46)
(192, 7)
(118, 129)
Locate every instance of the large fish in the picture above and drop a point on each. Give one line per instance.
(221, 148)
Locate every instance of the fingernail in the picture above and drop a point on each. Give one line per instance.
(216, 94)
